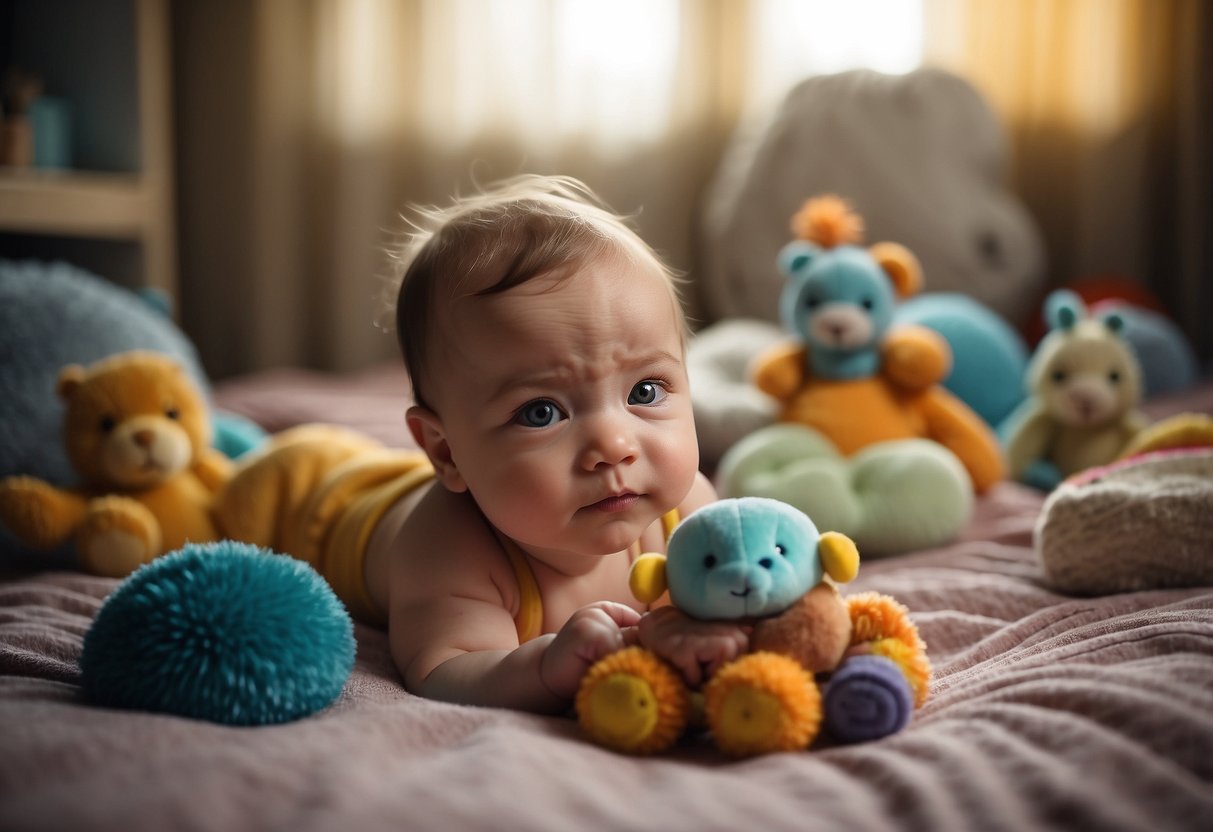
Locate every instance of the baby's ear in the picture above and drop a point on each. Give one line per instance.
(427, 431)
(647, 579)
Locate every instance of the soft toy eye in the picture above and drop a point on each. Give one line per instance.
(1114, 376)
(867, 304)
(172, 413)
(811, 303)
(709, 561)
(1059, 376)
(766, 563)
(780, 550)
(107, 424)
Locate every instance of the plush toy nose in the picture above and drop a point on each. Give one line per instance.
(143, 438)
(745, 579)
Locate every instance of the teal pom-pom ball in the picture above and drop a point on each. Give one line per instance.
(226, 632)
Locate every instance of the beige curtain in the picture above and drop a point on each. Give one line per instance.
(304, 126)
(1109, 105)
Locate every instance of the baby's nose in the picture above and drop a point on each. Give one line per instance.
(609, 443)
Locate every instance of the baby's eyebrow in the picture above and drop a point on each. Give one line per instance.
(564, 376)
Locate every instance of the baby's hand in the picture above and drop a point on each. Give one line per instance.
(592, 632)
(696, 648)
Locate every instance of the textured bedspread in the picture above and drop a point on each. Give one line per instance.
(1046, 711)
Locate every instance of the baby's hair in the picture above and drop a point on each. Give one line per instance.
(525, 227)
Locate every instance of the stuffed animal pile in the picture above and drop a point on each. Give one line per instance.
(1085, 385)
(868, 430)
(137, 432)
(855, 668)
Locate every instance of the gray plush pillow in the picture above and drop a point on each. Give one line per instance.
(920, 157)
(51, 315)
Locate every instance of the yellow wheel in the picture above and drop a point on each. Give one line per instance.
(763, 702)
(632, 701)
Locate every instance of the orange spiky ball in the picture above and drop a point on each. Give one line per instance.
(761, 703)
(828, 221)
(884, 625)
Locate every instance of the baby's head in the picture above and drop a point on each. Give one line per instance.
(545, 343)
(506, 236)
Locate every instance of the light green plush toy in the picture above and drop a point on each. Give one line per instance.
(1085, 385)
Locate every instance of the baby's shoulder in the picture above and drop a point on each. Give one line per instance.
(447, 545)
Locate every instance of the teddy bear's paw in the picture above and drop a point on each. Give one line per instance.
(118, 536)
(914, 494)
(34, 512)
(798, 466)
(866, 699)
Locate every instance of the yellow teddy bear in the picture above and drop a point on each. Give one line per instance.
(138, 433)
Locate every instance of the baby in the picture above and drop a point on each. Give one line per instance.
(545, 343)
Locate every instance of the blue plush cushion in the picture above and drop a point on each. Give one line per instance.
(53, 314)
(989, 358)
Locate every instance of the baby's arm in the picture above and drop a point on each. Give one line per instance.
(451, 622)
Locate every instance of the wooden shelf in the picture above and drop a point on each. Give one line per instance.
(134, 206)
(73, 203)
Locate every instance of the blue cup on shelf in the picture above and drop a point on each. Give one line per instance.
(51, 122)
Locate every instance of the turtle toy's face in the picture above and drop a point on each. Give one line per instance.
(749, 557)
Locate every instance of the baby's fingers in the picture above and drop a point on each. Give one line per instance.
(621, 614)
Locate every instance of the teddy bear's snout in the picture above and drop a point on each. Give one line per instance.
(743, 580)
(842, 326)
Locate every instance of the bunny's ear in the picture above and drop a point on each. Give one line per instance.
(647, 579)
(1114, 321)
(1063, 309)
(796, 257)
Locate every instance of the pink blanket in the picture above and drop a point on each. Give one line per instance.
(1046, 711)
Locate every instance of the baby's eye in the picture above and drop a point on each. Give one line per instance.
(540, 413)
(646, 392)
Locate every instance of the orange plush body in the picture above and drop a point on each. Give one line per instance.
(138, 433)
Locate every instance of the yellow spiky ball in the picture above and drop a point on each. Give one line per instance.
(633, 702)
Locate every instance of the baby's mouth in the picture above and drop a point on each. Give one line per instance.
(616, 502)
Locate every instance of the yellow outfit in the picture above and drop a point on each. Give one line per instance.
(338, 520)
